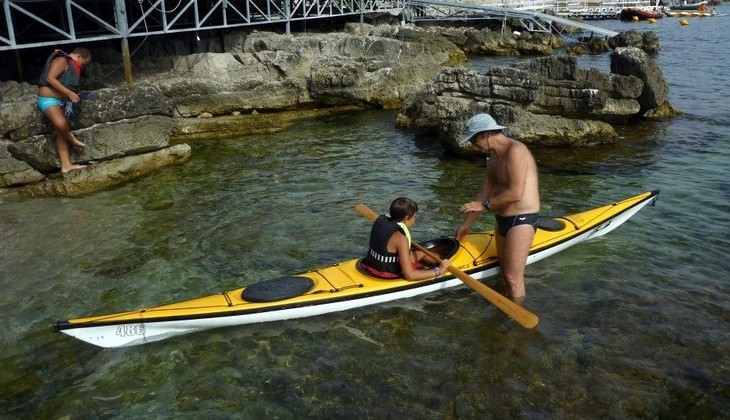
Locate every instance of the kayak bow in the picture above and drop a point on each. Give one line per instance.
(340, 286)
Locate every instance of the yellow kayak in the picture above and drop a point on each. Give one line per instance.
(341, 286)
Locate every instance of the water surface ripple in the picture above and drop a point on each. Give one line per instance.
(634, 324)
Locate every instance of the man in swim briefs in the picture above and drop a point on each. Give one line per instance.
(510, 190)
(59, 83)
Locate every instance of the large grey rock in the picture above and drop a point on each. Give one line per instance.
(617, 110)
(558, 131)
(11, 90)
(512, 84)
(546, 101)
(631, 61)
(536, 43)
(646, 41)
(20, 117)
(564, 97)
(14, 171)
(219, 69)
(615, 85)
(104, 141)
(306, 44)
(260, 96)
(333, 77)
(562, 67)
(486, 42)
(122, 103)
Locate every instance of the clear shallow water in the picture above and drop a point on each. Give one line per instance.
(633, 324)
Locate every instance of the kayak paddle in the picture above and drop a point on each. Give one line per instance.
(523, 317)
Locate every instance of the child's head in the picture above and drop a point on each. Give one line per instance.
(83, 53)
(401, 208)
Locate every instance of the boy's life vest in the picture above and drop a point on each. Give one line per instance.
(378, 256)
(71, 78)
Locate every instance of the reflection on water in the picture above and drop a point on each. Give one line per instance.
(631, 323)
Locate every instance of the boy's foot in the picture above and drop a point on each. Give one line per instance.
(72, 168)
(76, 142)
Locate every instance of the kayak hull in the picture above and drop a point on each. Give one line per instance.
(339, 287)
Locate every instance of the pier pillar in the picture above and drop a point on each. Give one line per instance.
(120, 13)
(287, 16)
(18, 65)
(127, 61)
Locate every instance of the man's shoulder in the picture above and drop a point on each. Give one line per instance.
(517, 147)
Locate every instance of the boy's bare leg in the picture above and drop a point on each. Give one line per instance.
(64, 137)
(63, 155)
(75, 141)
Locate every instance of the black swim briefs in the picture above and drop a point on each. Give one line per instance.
(504, 224)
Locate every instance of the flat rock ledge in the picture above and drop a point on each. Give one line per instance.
(103, 175)
(260, 82)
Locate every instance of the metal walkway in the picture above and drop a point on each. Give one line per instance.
(36, 23)
(434, 10)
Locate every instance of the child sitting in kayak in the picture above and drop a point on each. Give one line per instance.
(390, 254)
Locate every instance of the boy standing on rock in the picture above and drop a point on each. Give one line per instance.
(58, 84)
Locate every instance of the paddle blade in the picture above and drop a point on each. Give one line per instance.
(518, 313)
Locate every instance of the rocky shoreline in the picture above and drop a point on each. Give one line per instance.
(262, 81)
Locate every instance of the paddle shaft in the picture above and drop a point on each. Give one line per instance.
(524, 317)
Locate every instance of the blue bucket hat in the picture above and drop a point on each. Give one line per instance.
(477, 124)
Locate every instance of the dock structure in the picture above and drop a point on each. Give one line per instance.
(38, 23)
(35, 23)
(531, 20)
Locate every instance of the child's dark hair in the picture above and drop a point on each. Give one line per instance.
(401, 208)
(82, 52)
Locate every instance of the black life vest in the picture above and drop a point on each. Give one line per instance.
(71, 78)
(378, 256)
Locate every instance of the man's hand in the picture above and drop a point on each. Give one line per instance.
(461, 232)
(472, 206)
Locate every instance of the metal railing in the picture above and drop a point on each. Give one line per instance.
(533, 21)
(35, 23)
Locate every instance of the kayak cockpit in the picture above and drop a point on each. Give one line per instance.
(443, 247)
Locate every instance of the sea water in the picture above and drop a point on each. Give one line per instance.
(633, 324)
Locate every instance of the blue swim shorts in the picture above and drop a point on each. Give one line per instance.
(45, 102)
